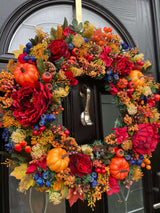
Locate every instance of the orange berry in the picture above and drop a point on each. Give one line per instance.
(105, 29)
(96, 37)
(143, 165)
(148, 167)
(109, 30)
(27, 149)
(109, 36)
(104, 35)
(100, 42)
(147, 161)
(23, 143)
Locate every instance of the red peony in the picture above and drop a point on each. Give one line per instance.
(80, 165)
(104, 56)
(123, 66)
(144, 141)
(58, 48)
(113, 186)
(29, 103)
(121, 134)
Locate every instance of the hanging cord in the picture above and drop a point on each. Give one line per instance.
(78, 10)
(30, 202)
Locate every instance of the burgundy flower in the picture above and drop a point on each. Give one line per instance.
(29, 103)
(113, 185)
(123, 66)
(104, 56)
(121, 134)
(144, 141)
(80, 165)
(58, 49)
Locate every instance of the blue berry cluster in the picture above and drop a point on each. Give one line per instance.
(26, 51)
(42, 179)
(5, 134)
(93, 180)
(125, 46)
(111, 76)
(133, 161)
(43, 119)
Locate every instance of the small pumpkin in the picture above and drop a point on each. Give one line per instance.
(26, 74)
(57, 159)
(119, 168)
(137, 77)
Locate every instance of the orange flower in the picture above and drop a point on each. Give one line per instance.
(122, 83)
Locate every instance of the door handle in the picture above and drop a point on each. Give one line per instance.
(156, 206)
(85, 115)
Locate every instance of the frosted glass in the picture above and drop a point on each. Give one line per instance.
(49, 17)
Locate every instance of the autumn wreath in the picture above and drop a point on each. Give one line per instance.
(44, 155)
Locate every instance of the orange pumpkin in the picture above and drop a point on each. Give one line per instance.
(137, 77)
(57, 159)
(26, 74)
(119, 168)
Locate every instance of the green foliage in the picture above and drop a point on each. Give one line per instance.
(41, 66)
(53, 34)
(69, 39)
(86, 179)
(65, 24)
(107, 87)
(59, 63)
(75, 27)
(34, 40)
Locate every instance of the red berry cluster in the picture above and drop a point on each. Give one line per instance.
(22, 145)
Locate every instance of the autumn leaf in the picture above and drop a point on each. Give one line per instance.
(19, 171)
(72, 197)
(18, 52)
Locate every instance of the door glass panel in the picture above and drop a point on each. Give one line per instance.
(116, 203)
(49, 17)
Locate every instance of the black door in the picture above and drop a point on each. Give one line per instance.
(137, 22)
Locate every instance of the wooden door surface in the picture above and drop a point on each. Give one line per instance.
(138, 23)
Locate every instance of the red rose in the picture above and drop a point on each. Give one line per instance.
(80, 165)
(144, 141)
(123, 66)
(29, 103)
(58, 49)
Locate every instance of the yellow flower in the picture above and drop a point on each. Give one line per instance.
(87, 150)
(146, 90)
(59, 93)
(77, 40)
(18, 136)
(132, 109)
(139, 57)
(137, 174)
(147, 64)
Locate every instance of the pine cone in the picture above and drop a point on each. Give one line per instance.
(138, 118)
(95, 51)
(49, 67)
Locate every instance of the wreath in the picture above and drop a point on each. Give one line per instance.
(44, 155)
